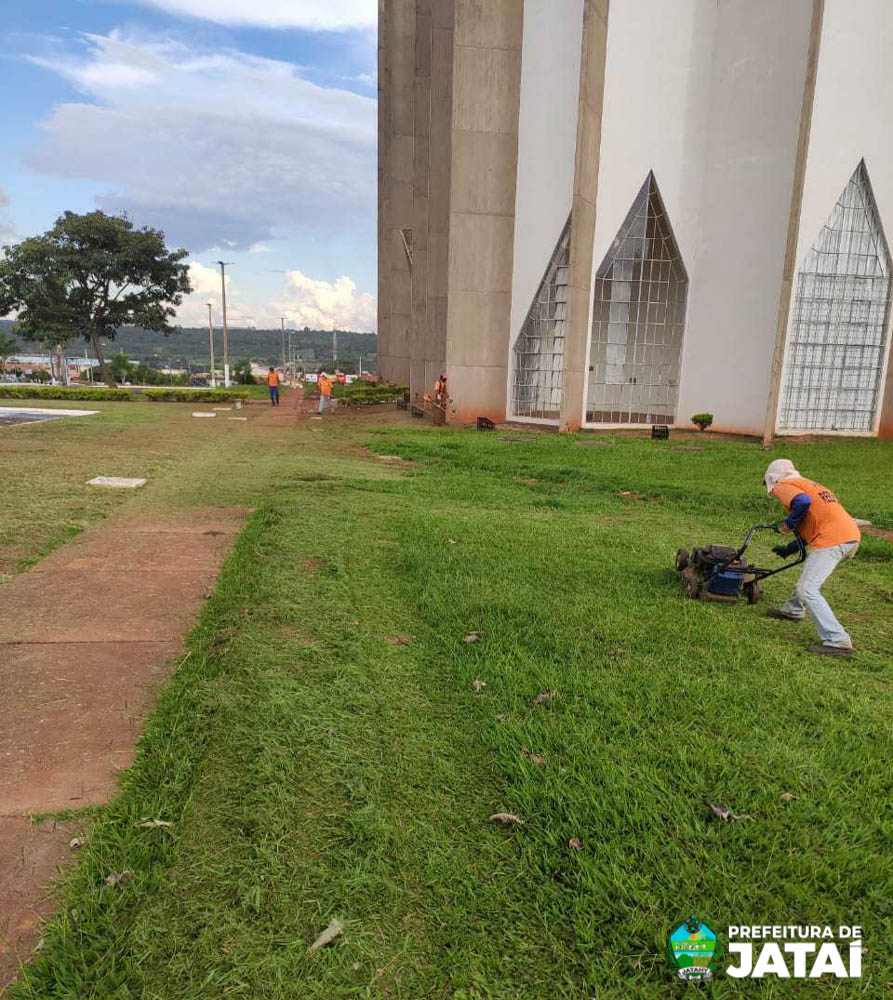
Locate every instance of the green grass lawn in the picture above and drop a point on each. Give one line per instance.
(329, 746)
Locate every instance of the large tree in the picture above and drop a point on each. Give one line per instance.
(88, 276)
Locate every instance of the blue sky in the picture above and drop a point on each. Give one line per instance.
(245, 129)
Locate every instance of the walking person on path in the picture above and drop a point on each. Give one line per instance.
(832, 536)
(273, 383)
(325, 394)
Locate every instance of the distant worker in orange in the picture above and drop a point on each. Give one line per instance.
(326, 401)
(833, 537)
(273, 383)
(440, 400)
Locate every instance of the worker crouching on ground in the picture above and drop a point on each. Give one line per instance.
(326, 402)
(832, 536)
(273, 383)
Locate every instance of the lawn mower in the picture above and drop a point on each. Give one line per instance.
(721, 573)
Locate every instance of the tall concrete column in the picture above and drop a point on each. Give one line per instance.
(431, 189)
(790, 262)
(589, 131)
(396, 91)
(885, 428)
(486, 82)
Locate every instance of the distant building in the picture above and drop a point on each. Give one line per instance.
(610, 213)
(30, 361)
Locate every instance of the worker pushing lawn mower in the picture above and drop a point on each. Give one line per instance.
(815, 519)
(819, 518)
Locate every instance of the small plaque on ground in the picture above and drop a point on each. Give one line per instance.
(220, 409)
(200, 413)
(237, 418)
(118, 481)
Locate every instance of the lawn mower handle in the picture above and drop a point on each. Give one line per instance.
(752, 532)
(762, 574)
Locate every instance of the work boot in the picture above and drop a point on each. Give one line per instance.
(778, 613)
(830, 650)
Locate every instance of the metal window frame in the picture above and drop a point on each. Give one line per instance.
(838, 339)
(538, 353)
(639, 304)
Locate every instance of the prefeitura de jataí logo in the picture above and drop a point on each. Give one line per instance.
(693, 950)
(788, 951)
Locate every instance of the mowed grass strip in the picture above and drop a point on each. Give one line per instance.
(314, 767)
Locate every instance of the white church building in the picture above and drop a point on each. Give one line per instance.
(613, 213)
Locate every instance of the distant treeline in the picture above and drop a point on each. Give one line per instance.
(189, 347)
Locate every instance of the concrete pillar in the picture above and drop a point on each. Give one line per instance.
(431, 189)
(885, 428)
(396, 87)
(486, 88)
(579, 292)
(790, 258)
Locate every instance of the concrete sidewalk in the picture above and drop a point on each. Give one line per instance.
(86, 636)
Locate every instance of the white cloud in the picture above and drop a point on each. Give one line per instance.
(304, 301)
(317, 15)
(218, 148)
(327, 305)
(7, 229)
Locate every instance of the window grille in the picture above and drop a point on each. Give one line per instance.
(837, 343)
(539, 349)
(638, 319)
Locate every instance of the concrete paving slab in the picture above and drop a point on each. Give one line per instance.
(118, 482)
(46, 411)
(120, 549)
(72, 718)
(86, 637)
(101, 605)
(30, 855)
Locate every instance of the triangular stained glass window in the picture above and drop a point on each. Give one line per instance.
(638, 319)
(837, 342)
(539, 349)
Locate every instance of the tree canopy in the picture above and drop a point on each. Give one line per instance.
(89, 275)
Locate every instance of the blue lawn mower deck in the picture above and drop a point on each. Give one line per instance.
(721, 573)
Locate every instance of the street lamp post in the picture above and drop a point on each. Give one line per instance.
(211, 345)
(223, 265)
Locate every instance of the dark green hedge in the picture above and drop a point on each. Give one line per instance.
(191, 395)
(122, 395)
(364, 394)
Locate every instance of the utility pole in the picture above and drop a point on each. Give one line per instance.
(223, 265)
(282, 327)
(334, 348)
(211, 345)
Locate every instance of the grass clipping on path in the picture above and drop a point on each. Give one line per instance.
(314, 772)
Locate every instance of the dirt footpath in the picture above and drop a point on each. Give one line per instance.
(85, 638)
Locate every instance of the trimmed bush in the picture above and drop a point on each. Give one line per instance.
(191, 395)
(122, 395)
(702, 420)
(363, 394)
(59, 392)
